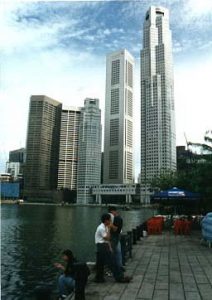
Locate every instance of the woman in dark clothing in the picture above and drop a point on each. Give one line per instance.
(66, 281)
(74, 278)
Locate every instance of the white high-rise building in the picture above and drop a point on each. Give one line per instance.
(69, 141)
(89, 154)
(118, 139)
(158, 145)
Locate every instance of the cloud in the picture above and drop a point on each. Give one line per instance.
(177, 47)
(196, 8)
(59, 49)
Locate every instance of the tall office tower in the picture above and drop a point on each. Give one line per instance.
(42, 148)
(158, 149)
(89, 164)
(118, 140)
(69, 140)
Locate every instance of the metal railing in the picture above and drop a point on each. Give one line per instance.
(129, 239)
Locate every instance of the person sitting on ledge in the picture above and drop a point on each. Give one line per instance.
(75, 276)
(105, 253)
(66, 282)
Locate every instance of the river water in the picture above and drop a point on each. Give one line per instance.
(33, 236)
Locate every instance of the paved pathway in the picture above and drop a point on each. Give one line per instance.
(163, 267)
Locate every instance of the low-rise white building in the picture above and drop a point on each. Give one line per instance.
(114, 190)
(14, 169)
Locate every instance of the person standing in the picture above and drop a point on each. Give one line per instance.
(116, 229)
(104, 252)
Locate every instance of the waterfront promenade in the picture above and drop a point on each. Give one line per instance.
(163, 267)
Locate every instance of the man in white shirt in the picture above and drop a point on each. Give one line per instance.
(104, 252)
(102, 234)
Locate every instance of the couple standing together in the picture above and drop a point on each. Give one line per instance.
(107, 239)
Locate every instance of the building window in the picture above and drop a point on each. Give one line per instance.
(129, 133)
(114, 132)
(115, 72)
(114, 107)
(130, 74)
(129, 165)
(113, 164)
(129, 105)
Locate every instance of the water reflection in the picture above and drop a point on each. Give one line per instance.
(34, 236)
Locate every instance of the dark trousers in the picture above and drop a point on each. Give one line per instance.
(105, 257)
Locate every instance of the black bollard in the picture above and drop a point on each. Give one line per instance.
(142, 228)
(129, 233)
(138, 230)
(134, 233)
(124, 248)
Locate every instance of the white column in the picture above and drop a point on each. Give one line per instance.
(130, 198)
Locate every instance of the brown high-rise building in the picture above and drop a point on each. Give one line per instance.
(42, 148)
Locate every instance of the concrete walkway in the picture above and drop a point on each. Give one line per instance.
(163, 267)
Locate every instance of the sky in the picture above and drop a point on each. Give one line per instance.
(59, 49)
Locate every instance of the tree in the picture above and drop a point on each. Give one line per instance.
(195, 174)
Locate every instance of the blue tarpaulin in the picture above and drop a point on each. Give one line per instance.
(207, 227)
(10, 190)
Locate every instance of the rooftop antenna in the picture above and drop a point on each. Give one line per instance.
(187, 143)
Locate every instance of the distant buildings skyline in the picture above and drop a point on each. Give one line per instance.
(63, 149)
(158, 149)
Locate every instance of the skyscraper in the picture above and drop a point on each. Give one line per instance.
(15, 165)
(158, 149)
(89, 154)
(68, 155)
(118, 140)
(42, 147)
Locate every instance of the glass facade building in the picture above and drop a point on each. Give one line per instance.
(42, 147)
(158, 140)
(89, 154)
(118, 137)
(69, 142)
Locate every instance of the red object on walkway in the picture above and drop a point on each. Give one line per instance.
(187, 227)
(178, 226)
(155, 225)
(182, 227)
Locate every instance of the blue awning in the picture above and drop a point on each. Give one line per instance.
(175, 194)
